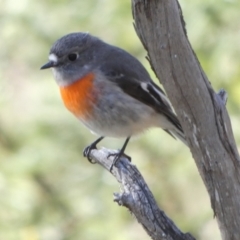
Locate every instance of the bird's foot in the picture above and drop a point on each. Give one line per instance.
(118, 155)
(87, 150)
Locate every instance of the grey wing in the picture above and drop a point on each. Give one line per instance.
(134, 80)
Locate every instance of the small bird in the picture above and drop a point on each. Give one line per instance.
(109, 90)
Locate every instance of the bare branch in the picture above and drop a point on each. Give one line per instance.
(223, 95)
(137, 197)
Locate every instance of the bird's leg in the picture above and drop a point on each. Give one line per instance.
(92, 146)
(119, 154)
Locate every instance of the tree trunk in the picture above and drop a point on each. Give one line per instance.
(202, 113)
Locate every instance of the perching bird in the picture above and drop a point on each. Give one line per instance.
(109, 90)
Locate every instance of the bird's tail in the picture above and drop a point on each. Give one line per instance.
(177, 133)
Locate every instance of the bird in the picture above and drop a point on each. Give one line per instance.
(109, 90)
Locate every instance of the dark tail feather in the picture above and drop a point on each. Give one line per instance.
(176, 133)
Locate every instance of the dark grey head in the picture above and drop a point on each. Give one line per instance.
(70, 56)
(76, 54)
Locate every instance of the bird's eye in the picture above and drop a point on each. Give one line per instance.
(72, 57)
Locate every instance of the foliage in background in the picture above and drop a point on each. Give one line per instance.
(48, 190)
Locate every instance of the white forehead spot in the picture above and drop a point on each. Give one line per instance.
(52, 57)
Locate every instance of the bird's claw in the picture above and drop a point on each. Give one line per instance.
(117, 157)
(86, 152)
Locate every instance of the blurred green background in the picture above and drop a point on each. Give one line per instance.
(47, 189)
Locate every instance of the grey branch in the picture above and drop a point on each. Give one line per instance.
(202, 112)
(137, 197)
(223, 95)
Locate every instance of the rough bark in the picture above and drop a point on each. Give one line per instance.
(161, 28)
(137, 197)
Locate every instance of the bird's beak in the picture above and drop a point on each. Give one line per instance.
(48, 65)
